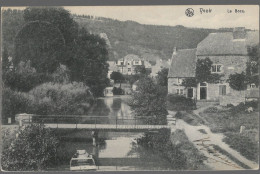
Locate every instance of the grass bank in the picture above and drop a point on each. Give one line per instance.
(228, 120)
(175, 148)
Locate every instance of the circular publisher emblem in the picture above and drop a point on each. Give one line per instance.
(189, 12)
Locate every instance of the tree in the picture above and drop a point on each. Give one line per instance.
(253, 65)
(117, 76)
(5, 61)
(88, 64)
(150, 100)
(238, 81)
(162, 77)
(33, 149)
(189, 82)
(203, 72)
(41, 43)
(140, 69)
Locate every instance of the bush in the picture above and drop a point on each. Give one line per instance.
(180, 103)
(13, 103)
(48, 98)
(118, 91)
(55, 98)
(33, 149)
(211, 110)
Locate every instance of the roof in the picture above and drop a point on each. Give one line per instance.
(225, 44)
(183, 64)
(130, 57)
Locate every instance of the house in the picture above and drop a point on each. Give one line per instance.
(183, 66)
(127, 64)
(227, 51)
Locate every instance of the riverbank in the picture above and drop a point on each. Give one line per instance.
(215, 131)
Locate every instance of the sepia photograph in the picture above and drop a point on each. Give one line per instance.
(130, 88)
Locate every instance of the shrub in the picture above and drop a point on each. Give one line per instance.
(13, 103)
(180, 103)
(211, 110)
(118, 91)
(55, 98)
(33, 149)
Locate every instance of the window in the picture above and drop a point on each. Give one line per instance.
(180, 91)
(222, 89)
(216, 68)
(129, 69)
(136, 62)
(252, 85)
(122, 63)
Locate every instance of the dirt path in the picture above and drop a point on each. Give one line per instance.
(204, 140)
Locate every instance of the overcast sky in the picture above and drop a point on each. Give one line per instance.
(175, 15)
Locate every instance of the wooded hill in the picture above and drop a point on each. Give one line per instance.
(126, 37)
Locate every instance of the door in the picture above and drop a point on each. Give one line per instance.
(222, 90)
(203, 93)
(190, 92)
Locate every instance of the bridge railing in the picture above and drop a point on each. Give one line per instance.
(90, 120)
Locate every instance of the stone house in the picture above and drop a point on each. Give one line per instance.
(127, 64)
(228, 52)
(183, 66)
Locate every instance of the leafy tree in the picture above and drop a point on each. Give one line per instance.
(150, 100)
(162, 77)
(238, 81)
(140, 69)
(88, 64)
(189, 82)
(117, 76)
(33, 149)
(5, 61)
(253, 65)
(41, 43)
(24, 78)
(57, 16)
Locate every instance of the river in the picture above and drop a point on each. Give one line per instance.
(116, 150)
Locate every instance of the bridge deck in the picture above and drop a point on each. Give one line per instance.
(105, 126)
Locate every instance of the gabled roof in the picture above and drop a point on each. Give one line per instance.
(183, 64)
(130, 57)
(225, 44)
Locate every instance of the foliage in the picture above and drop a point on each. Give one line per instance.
(238, 81)
(41, 43)
(118, 91)
(253, 65)
(116, 76)
(189, 82)
(178, 151)
(132, 78)
(203, 71)
(61, 75)
(34, 149)
(57, 16)
(180, 103)
(5, 61)
(24, 78)
(162, 77)
(88, 62)
(150, 100)
(60, 99)
(140, 69)
(243, 144)
(13, 103)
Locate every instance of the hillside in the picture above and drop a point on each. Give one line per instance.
(147, 41)
(125, 37)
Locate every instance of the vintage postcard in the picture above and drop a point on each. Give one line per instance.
(130, 88)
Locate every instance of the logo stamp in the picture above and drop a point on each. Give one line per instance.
(189, 12)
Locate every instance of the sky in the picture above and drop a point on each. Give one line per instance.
(175, 15)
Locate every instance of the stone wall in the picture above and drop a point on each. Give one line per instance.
(231, 63)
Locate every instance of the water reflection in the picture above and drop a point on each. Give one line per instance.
(115, 150)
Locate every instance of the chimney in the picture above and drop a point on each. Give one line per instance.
(239, 33)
